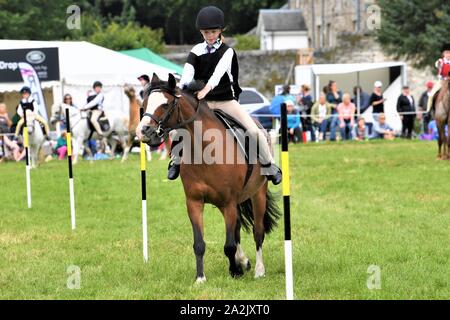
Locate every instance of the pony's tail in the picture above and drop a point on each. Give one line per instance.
(271, 215)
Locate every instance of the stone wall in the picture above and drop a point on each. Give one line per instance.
(265, 69)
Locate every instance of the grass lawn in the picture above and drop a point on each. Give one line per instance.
(353, 205)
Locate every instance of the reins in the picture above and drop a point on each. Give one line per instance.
(162, 130)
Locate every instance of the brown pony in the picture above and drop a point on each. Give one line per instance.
(243, 198)
(442, 117)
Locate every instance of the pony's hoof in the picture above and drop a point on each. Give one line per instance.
(200, 280)
(239, 272)
(260, 271)
(248, 266)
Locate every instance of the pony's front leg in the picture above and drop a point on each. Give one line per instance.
(195, 211)
(34, 158)
(76, 145)
(241, 258)
(230, 215)
(127, 148)
(113, 144)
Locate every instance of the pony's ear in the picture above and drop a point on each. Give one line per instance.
(172, 81)
(155, 79)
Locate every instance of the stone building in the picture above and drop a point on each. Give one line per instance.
(328, 19)
(282, 29)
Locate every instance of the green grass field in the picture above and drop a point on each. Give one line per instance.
(353, 205)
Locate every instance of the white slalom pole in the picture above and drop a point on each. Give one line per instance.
(69, 160)
(289, 271)
(27, 155)
(287, 205)
(144, 199)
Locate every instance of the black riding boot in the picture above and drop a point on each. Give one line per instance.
(273, 173)
(174, 164)
(173, 170)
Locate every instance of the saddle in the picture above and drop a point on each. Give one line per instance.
(238, 131)
(102, 120)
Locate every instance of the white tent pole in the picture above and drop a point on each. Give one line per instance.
(317, 85)
(358, 95)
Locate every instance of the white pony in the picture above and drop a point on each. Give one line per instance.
(35, 138)
(80, 128)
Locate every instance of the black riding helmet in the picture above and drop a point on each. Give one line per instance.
(25, 89)
(445, 47)
(210, 17)
(97, 84)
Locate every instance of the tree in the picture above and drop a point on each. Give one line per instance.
(177, 17)
(130, 36)
(414, 30)
(33, 19)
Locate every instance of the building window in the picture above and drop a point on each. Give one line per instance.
(329, 35)
(319, 37)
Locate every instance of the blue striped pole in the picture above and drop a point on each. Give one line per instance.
(69, 161)
(287, 204)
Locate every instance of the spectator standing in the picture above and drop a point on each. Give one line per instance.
(405, 103)
(377, 100)
(423, 101)
(320, 115)
(334, 96)
(144, 80)
(304, 99)
(275, 105)
(346, 113)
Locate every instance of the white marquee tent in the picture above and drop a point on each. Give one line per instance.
(81, 63)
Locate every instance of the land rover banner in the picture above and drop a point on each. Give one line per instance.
(45, 61)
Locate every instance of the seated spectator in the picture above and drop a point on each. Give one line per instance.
(381, 130)
(5, 122)
(320, 115)
(365, 109)
(360, 130)
(433, 133)
(12, 151)
(293, 123)
(61, 146)
(346, 113)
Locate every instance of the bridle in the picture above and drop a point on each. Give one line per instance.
(162, 129)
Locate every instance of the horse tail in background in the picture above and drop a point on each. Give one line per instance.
(271, 215)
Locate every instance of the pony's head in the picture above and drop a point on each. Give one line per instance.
(30, 121)
(160, 104)
(56, 113)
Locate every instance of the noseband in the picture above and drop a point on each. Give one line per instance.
(162, 128)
